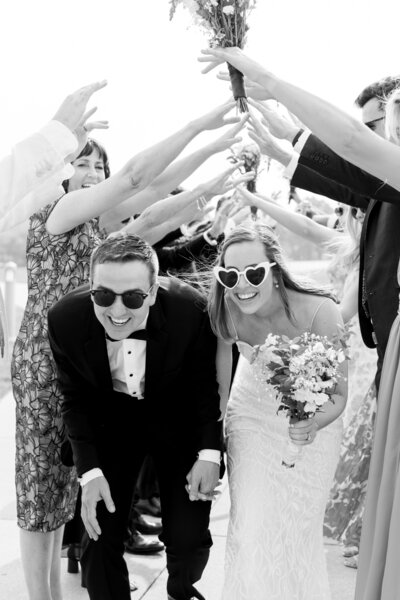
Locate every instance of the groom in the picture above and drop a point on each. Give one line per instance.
(136, 362)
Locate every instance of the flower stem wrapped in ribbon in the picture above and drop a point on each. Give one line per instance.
(304, 372)
(225, 22)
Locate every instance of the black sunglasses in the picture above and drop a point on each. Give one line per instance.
(372, 124)
(131, 298)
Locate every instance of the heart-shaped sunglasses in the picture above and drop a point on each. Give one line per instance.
(255, 276)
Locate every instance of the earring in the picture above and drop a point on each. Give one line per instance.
(276, 284)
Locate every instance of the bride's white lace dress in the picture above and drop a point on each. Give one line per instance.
(275, 545)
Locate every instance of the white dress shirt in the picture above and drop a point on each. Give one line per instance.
(127, 359)
(294, 161)
(31, 176)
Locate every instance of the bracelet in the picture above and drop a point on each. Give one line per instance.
(297, 136)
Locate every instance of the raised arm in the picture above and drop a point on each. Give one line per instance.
(340, 131)
(295, 222)
(81, 205)
(178, 171)
(168, 214)
(41, 157)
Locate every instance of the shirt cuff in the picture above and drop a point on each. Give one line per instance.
(292, 166)
(89, 475)
(301, 142)
(210, 455)
(60, 138)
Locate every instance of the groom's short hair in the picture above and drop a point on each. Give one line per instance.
(121, 247)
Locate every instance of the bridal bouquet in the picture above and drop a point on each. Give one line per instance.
(225, 22)
(304, 372)
(250, 155)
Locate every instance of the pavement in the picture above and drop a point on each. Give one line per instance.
(148, 572)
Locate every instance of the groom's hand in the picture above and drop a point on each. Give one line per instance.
(92, 492)
(202, 480)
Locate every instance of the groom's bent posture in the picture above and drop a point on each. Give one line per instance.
(136, 362)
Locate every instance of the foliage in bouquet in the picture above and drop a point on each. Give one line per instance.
(225, 23)
(304, 371)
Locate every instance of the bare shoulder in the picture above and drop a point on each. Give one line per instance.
(327, 318)
(318, 314)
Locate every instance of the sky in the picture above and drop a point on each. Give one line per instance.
(49, 48)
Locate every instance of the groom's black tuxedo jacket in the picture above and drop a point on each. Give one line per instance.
(181, 392)
(322, 171)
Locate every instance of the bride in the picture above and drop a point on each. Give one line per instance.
(275, 544)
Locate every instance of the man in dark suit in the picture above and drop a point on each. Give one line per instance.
(136, 362)
(318, 169)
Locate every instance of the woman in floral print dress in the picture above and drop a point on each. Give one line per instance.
(46, 489)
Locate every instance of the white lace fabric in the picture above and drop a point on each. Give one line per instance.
(275, 545)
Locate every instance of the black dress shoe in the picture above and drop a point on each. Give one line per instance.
(141, 524)
(74, 556)
(137, 544)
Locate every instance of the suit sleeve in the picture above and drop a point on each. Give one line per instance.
(318, 157)
(201, 363)
(76, 403)
(181, 256)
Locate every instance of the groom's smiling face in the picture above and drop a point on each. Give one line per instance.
(118, 320)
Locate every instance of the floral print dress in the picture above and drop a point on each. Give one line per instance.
(56, 264)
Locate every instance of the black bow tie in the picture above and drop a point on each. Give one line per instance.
(140, 334)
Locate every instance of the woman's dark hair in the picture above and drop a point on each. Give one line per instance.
(90, 147)
(249, 233)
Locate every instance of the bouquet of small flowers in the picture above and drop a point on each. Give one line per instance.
(225, 22)
(304, 372)
(250, 155)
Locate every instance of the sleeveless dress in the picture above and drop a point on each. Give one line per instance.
(378, 574)
(274, 545)
(56, 264)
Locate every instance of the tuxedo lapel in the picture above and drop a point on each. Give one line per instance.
(156, 348)
(96, 354)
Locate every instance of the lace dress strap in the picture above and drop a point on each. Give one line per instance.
(316, 312)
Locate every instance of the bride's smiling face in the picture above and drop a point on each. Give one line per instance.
(249, 298)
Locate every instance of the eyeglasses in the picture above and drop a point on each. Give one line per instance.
(255, 276)
(131, 298)
(372, 124)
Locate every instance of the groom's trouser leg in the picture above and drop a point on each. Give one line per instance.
(185, 524)
(103, 565)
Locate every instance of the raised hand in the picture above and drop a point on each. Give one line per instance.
(267, 143)
(253, 89)
(279, 125)
(225, 182)
(235, 57)
(217, 118)
(83, 129)
(74, 106)
(230, 137)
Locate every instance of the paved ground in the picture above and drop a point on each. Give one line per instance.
(148, 572)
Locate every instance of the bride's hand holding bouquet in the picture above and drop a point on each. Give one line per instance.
(305, 372)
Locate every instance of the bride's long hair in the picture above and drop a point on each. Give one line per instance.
(217, 308)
